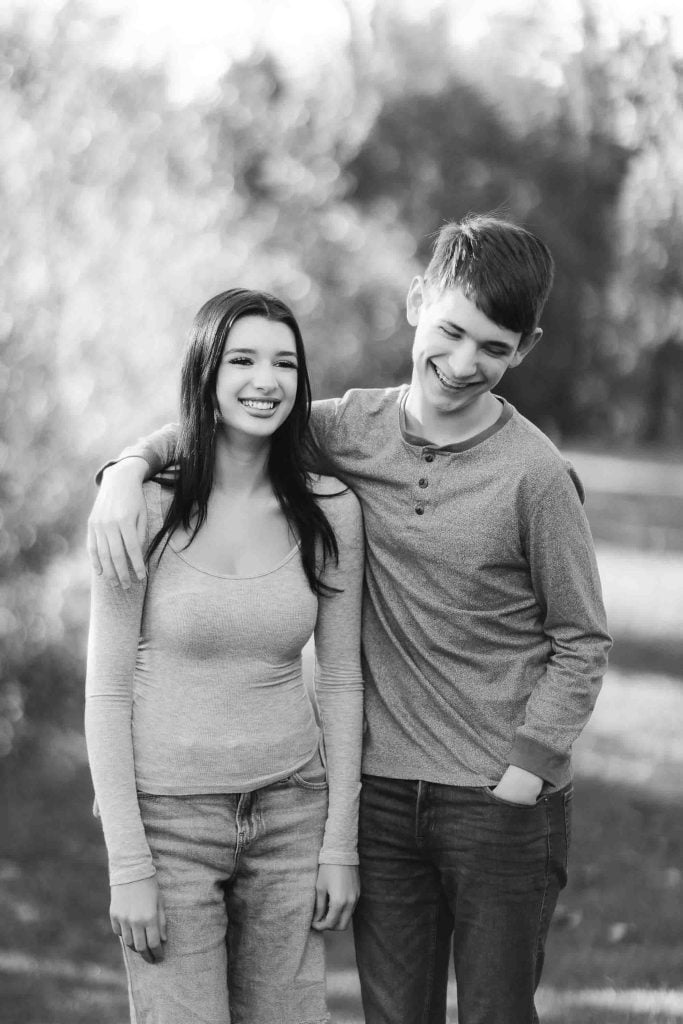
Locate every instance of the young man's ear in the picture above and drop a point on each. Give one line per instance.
(527, 342)
(415, 300)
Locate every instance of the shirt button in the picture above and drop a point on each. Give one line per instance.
(429, 456)
(419, 510)
(423, 481)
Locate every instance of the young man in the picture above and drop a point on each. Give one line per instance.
(484, 639)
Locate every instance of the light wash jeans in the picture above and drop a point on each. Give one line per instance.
(237, 874)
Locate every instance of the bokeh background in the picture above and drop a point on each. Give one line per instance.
(156, 153)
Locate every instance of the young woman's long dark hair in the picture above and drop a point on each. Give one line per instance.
(292, 450)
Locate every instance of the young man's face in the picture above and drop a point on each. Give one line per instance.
(459, 355)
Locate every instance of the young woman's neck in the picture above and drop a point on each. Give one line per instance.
(241, 465)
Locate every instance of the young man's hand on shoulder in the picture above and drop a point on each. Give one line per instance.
(118, 522)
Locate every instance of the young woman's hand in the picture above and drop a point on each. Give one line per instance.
(118, 522)
(137, 915)
(336, 894)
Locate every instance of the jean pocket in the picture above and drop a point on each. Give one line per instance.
(312, 775)
(488, 790)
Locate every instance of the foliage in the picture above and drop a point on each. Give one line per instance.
(124, 211)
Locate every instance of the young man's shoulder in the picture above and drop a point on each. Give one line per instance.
(535, 456)
(360, 401)
(338, 502)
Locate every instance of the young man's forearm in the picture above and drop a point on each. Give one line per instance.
(156, 450)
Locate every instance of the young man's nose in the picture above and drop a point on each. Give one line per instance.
(463, 360)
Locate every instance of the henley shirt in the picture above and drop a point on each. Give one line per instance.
(484, 638)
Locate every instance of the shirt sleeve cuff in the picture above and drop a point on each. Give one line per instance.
(538, 759)
(338, 857)
(121, 876)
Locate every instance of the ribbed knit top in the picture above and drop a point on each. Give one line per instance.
(195, 685)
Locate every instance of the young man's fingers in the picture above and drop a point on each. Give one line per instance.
(104, 555)
(118, 573)
(131, 541)
(93, 554)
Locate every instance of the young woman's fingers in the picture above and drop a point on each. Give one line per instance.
(140, 943)
(345, 916)
(161, 912)
(334, 910)
(154, 942)
(320, 910)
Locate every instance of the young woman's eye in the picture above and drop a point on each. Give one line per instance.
(287, 364)
(239, 360)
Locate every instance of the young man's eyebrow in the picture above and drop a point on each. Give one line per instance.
(484, 341)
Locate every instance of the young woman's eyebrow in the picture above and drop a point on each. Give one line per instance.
(290, 353)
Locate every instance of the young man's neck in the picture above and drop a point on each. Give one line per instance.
(455, 427)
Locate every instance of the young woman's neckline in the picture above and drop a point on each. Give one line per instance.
(235, 576)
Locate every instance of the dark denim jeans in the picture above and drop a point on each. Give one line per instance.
(449, 862)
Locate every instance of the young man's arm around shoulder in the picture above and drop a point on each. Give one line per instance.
(118, 520)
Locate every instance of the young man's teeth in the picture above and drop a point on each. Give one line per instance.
(252, 403)
(444, 380)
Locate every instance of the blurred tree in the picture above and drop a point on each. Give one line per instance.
(124, 211)
(440, 149)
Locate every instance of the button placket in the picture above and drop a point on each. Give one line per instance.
(423, 484)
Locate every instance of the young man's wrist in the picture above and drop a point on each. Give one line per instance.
(133, 467)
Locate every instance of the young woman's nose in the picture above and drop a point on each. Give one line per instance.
(264, 378)
(463, 359)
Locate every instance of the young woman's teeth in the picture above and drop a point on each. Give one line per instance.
(253, 403)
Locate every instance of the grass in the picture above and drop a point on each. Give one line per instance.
(615, 953)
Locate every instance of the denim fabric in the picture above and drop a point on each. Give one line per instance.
(448, 863)
(237, 874)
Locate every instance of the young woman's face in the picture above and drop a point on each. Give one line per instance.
(257, 378)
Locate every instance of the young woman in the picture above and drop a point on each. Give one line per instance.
(228, 855)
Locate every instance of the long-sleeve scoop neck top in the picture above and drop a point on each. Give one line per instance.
(194, 685)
